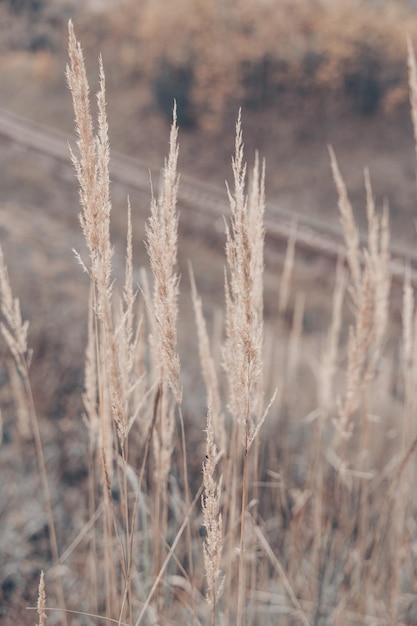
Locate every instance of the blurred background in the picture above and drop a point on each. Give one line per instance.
(306, 73)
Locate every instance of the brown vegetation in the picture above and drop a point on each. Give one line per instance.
(307, 505)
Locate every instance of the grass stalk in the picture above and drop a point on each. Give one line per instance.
(327, 500)
(14, 331)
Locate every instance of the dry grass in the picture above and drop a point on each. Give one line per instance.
(307, 506)
(41, 601)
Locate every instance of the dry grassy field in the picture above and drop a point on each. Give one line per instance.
(202, 428)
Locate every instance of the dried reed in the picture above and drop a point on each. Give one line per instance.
(212, 520)
(244, 330)
(14, 331)
(41, 604)
(336, 529)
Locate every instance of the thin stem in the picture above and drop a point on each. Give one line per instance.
(44, 480)
(242, 563)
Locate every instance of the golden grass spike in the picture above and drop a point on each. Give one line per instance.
(162, 243)
(41, 603)
(349, 227)
(208, 367)
(212, 520)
